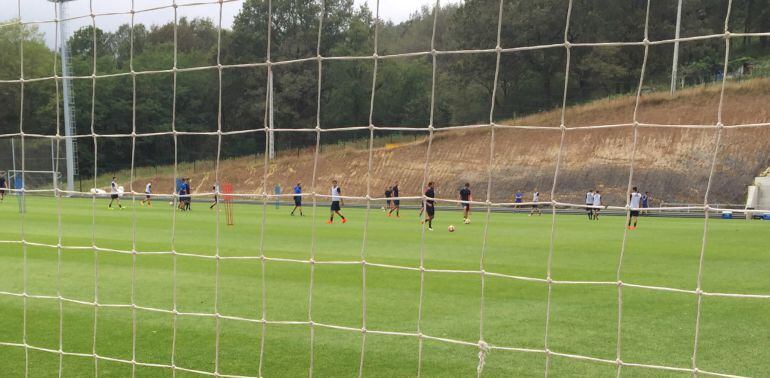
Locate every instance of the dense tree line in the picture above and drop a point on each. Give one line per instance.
(529, 80)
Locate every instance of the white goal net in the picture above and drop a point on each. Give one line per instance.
(370, 200)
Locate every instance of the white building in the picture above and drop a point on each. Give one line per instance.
(759, 194)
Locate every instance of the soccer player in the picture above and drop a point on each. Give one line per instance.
(597, 204)
(215, 190)
(634, 198)
(298, 199)
(535, 206)
(430, 209)
(465, 198)
(337, 203)
(589, 203)
(645, 200)
(396, 202)
(422, 206)
(277, 191)
(388, 193)
(114, 195)
(3, 186)
(182, 194)
(517, 199)
(147, 195)
(188, 196)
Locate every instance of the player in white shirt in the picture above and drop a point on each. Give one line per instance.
(589, 203)
(635, 203)
(535, 206)
(597, 204)
(215, 190)
(336, 203)
(147, 195)
(114, 194)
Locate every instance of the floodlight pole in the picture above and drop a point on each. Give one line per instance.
(675, 63)
(67, 97)
(54, 170)
(13, 160)
(270, 125)
(16, 180)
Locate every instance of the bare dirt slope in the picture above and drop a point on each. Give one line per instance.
(673, 163)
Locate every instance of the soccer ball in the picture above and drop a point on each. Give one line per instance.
(451, 228)
(171, 203)
(467, 221)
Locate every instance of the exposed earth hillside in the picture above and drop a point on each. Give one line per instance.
(671, 162)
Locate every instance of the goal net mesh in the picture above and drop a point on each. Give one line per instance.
(371, 199)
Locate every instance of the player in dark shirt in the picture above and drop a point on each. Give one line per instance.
(518, 198)
(188, 192)
(422, 207)
(396, 202)
(298, 199)
(388, 193)
(465, 198)
(3, 186)
(430, 209)
(182, 194)
(645, 202)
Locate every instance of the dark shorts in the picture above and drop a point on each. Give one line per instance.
(589, 207)
(147, 196)
(430, 210)
(466, 205)
(2, 190)
(396, 203)
(535, 206)
(336, 206)
(114, 196)
(297, 200)
(387, 202)
(634, 213)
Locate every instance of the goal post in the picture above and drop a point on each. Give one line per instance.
(31, 167)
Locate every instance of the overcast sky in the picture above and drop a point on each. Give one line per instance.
(39, 10)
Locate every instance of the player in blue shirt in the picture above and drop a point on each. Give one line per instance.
(645, 202)
(183, 195)
(188, 197)
(517, 199)
(298, 199)
(277, 192)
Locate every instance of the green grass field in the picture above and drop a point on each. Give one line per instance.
(657, 327)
